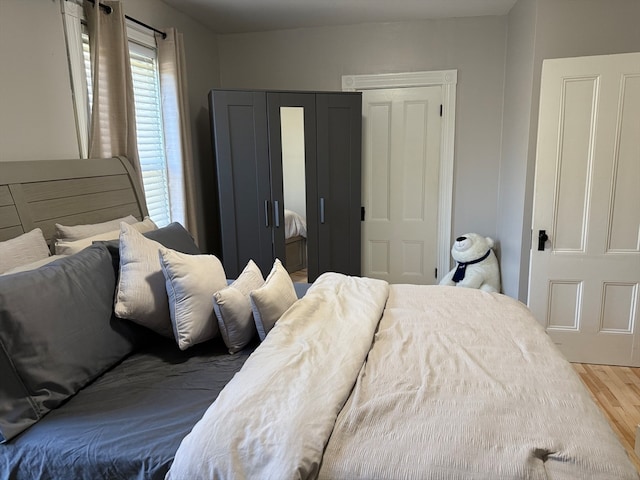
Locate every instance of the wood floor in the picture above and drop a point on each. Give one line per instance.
(299, 276)
(616, 390)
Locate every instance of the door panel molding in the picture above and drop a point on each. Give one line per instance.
(448, 80)
(622, 237)
(576, 141)
(380, 208)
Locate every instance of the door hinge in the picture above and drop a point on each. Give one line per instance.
(440, 109)
(436, 272)
(362, 214)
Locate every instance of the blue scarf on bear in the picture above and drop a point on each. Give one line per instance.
(462, 267)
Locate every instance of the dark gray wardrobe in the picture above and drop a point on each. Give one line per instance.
(247, 142)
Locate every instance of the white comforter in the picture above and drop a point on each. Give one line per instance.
(294, 224)
(463, 384)
(458, 384)
(273, 419)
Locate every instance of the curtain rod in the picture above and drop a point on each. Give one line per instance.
(107, 9)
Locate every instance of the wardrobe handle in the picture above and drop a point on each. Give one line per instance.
(266, 213)
(276, 213)
(321, 209)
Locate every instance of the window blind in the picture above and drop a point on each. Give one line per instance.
(146, 91)
(86, 54)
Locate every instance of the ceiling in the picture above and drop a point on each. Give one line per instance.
(241, 16)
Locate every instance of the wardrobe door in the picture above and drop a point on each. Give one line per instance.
(338, 180)
(292, 122)
(239, 122)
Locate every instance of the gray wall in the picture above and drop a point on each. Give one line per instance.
(561, 28)
(515, 142)
(499, 60)
(316, 59)
(36, 108)
(36, 111)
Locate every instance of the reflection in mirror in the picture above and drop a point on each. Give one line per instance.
(293, 173)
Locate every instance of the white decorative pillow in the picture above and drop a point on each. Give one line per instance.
(78, 232)
(190, 281)
(233, 308)
(141, 295)
(271, 300)
(26, 248)
(66, 247)
(33, 265)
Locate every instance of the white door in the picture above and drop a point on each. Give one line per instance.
(401, 157)
(583, 286)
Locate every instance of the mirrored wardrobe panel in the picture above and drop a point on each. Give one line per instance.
(293, 184)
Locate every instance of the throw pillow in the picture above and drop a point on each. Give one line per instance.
(71, 233)
(271, 300)
(26, 248)
(141, 295)
(190, 281)
(233, 308)
(66, 247)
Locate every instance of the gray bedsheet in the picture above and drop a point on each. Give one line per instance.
(129, 423)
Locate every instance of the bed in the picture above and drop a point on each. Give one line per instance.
(295, 233)
(356, 379)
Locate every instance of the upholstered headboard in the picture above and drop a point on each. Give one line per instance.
(41, 193)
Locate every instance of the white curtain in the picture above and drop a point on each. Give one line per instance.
(113, 122)
(177, 129)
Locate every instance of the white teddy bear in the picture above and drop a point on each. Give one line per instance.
(477, 264)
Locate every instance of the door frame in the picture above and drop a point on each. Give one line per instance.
(447, 79)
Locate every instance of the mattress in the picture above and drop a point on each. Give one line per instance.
(129, 423)
(451, 383)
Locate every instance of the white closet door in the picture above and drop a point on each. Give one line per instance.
(401, 158)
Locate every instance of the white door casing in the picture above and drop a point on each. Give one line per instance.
(401, 157)
(583, 286)
(446, 80)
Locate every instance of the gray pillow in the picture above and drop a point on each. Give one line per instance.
(173, 236)
(52, 347)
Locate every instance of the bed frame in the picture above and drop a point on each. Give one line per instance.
(296, 253)
(41, 193)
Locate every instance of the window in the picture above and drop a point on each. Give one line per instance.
(146, 91)
(148, 107)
